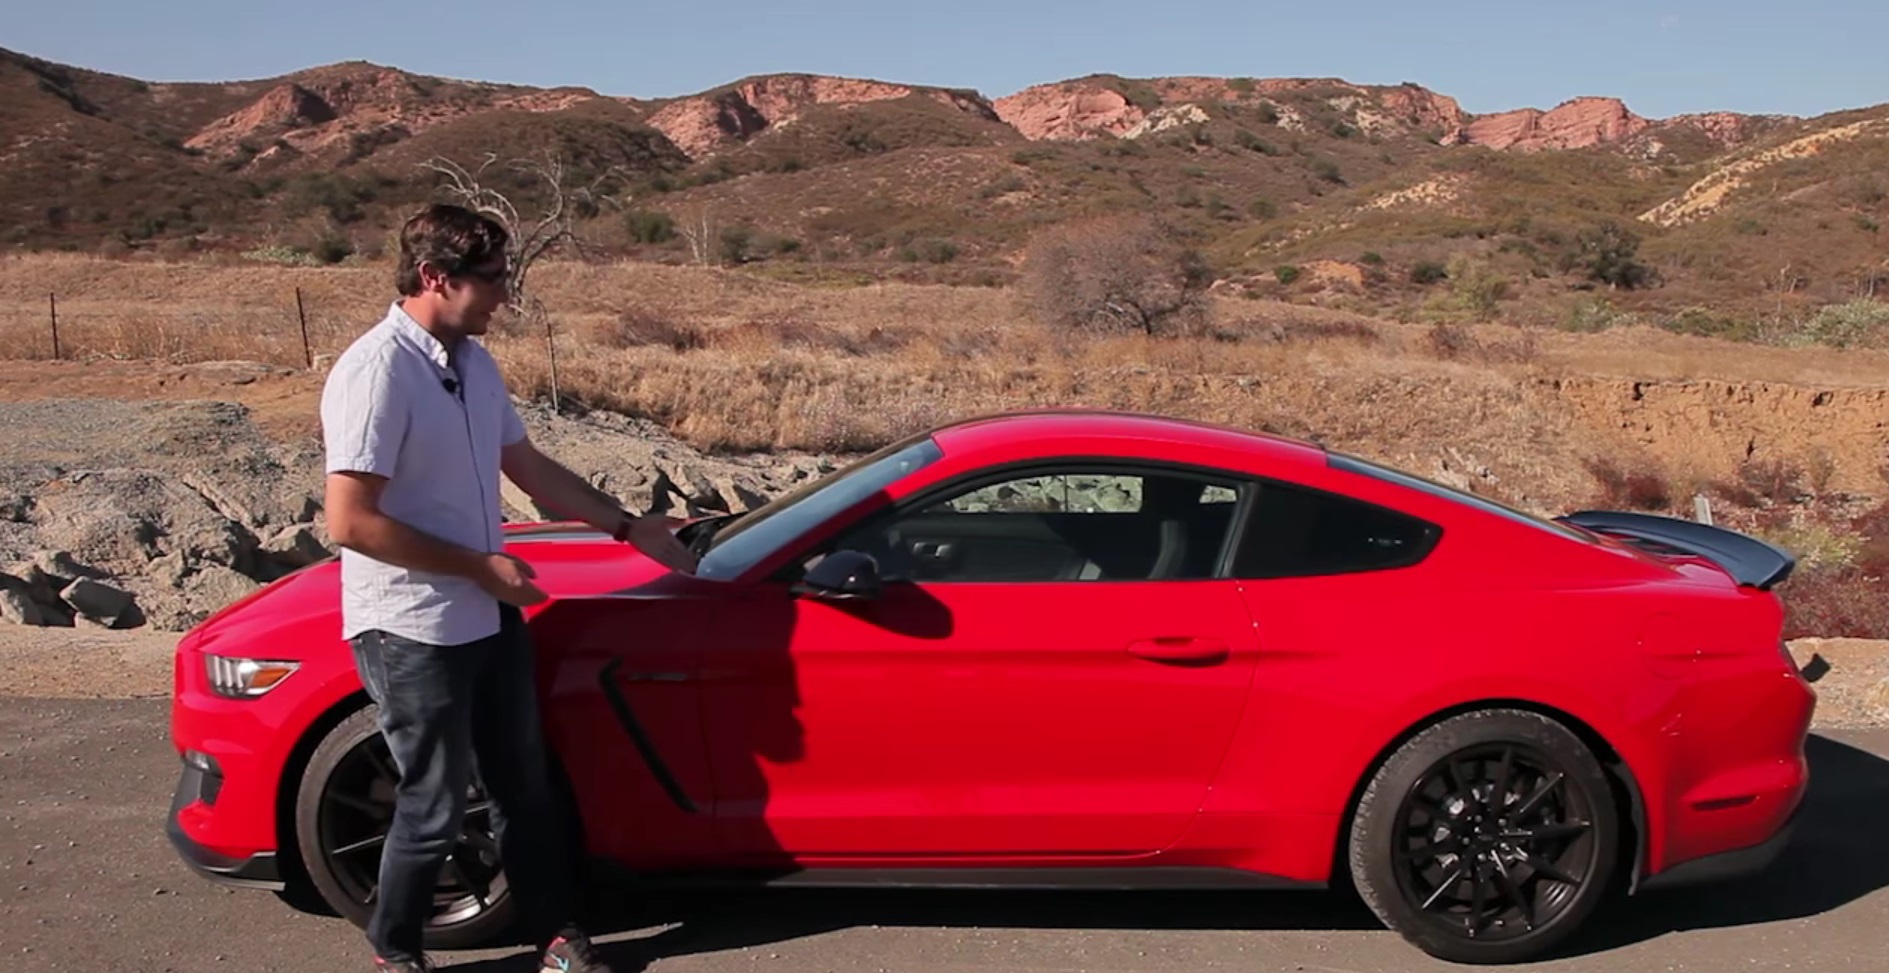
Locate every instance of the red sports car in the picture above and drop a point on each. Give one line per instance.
(1076, 648)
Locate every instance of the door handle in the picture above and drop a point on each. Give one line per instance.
(932, 550)
(1181, 649)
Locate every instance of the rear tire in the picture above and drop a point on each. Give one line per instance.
(1488, 838)
(343, 807)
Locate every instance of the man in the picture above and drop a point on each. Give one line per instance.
(418, 426)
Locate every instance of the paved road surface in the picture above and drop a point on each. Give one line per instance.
(88, 883)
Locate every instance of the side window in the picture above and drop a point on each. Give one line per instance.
(1057, 493)
(1059, 526)
(1297, 532)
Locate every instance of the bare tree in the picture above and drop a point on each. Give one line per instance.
(1117, 273)
(699, 230)
(531, 238)
(565, 202)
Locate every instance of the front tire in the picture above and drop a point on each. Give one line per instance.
(343, 808)
(1487, 838)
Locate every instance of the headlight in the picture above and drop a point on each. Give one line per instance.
(245, 678)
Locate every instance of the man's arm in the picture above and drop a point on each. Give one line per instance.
(355, 521)
(558, 488)
(555, 486)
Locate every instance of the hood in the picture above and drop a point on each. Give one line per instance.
(570, 561)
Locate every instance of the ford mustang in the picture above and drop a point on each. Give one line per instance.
(1076, 648)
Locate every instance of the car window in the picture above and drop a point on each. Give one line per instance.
(1297, 532)
(1365, 467)
(1071, 493)
(755, 535)
(1059, 526)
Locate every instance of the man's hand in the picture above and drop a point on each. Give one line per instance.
(508, 579)
(653, 536)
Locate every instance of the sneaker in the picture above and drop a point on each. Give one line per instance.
(421, 965)
(572, 954)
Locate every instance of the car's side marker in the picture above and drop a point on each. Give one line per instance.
(626, 718)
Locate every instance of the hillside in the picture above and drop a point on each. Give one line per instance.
(1383, 199)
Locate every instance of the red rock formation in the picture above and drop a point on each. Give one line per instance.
(1421, 109)
(1575, 124)
(1068, 110)
(700, 124)
(280, 109)
(1725, 128)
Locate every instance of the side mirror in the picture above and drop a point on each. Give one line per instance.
(841, 576)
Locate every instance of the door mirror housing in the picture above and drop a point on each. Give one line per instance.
(841, 576)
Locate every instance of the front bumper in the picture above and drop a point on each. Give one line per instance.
(258, 870)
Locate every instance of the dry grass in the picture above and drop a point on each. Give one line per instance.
(734, 362)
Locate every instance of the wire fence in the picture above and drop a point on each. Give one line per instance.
(289, 329)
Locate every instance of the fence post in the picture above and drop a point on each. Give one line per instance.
(308, 354)
(551, 348)
(52, 307)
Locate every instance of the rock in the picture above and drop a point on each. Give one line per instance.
(16, 508)
(214, 587)
(16, 602)
(100, 603)
(516, 505)
(692, 484)
(295, 546)
(745, 498)
(169, 570)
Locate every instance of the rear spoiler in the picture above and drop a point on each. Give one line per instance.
(1751, 562)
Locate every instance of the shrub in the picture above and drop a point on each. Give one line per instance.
(1834, 603)
(638, 328)
(1607, 254)
(1859, 323)
(650, 226)
(1636, 489)
(1117, 273)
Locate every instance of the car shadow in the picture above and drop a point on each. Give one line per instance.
(1839, 853)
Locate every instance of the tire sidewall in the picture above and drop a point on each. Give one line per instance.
(1375, 826)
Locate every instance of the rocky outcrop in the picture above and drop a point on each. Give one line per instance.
(1069, 111)
(1101, 106)
(699, 125)
(338, 104)
(1576, 124)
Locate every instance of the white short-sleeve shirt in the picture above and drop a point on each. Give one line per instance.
(397, 406)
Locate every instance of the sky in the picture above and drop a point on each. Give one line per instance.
(1663, 58)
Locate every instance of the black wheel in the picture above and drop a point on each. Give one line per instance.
(1487, 838)
(342, 812)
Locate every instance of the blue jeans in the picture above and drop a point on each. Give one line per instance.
(448, 712)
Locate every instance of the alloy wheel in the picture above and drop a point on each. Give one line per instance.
(1495, 842)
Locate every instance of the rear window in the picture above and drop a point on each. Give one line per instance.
(1363, 467)
(1295, 532)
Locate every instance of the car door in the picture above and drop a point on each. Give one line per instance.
(1051, 669)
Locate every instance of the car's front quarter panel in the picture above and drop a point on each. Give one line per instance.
(251, 739)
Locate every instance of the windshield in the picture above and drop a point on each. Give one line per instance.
(1365, 467)
(755, 535)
